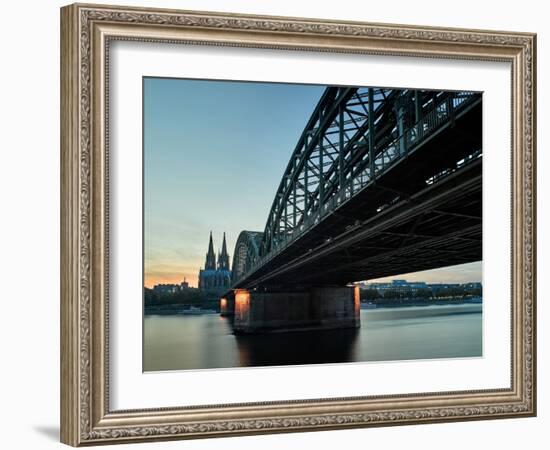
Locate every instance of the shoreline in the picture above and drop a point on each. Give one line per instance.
(185, 310)
(176, 310)
(421, 303)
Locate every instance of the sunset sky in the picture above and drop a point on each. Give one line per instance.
(214, 154)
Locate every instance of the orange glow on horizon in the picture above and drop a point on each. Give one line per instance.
(152, 279)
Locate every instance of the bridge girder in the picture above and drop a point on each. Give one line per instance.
(354, 137)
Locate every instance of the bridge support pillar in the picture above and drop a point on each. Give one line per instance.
(316, 309)
(227, 305)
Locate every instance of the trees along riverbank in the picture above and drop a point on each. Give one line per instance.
(172, 303)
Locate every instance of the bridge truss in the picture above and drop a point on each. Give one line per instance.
(354, 137)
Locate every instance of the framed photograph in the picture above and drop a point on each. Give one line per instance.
(277, 224)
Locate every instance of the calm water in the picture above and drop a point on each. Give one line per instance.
(206, 341)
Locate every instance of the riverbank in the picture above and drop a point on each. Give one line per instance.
(422, 311)
(183, 309)
(176, 310)
(399, 303)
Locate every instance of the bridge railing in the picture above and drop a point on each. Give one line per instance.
(443, 114)
(412, 137)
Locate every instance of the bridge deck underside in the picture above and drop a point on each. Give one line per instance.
(396, 225)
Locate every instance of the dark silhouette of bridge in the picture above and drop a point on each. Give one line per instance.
(382, 182)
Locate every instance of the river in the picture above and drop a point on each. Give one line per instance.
(386, 334)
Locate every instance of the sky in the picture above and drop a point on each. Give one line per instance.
(463, 273)
(214, 153)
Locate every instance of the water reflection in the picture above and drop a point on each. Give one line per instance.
(297, 347)
(386, 334)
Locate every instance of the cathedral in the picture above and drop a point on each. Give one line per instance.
(215, 278)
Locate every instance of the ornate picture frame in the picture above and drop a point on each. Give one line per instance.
(86, 34)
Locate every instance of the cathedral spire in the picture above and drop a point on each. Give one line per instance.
(210, 263)
(215, 279)
(224, 246)
(223, 260)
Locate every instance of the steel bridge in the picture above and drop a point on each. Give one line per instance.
(381, 182)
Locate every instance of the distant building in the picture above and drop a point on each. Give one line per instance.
(215, 278)
(472, 286)
(165, 289)
(438, 287)
(396, 286)
(404, 287)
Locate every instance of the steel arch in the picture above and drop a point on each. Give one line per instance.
(352, 135)
(246, 254)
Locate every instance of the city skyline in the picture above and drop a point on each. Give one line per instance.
(197, 180)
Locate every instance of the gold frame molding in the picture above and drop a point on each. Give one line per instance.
(86, 31)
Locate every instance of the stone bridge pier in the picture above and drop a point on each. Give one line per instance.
(227, 305)
(320, 308)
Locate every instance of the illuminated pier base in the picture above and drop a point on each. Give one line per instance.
(317, 309)
(227, 305)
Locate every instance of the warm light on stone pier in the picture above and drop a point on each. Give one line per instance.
(227, 305)
(317, 309)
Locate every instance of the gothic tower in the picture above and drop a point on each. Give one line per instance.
(210, 263)
(223, 258)
(215, 278)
